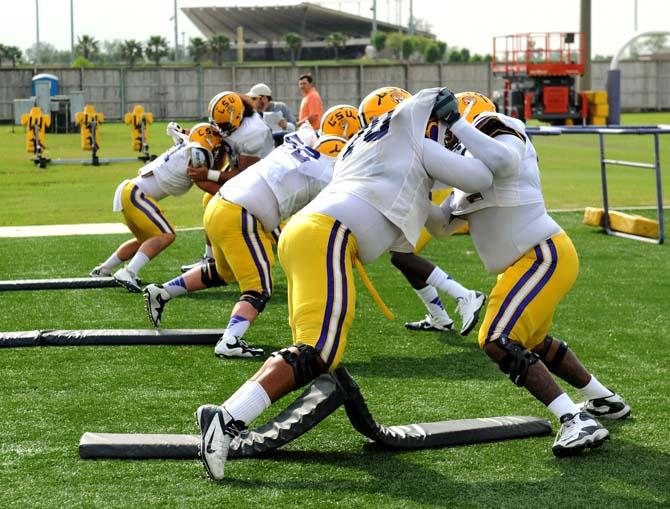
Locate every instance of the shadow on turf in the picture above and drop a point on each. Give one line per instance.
(621, 474)
(467, 365)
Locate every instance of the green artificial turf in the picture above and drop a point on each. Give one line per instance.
(615, 319)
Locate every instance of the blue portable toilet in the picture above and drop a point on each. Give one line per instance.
(50, 79)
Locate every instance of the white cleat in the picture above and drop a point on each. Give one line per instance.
(217, 429)
(155, 298)
(127, 279)
(468, 308)
(100, 271)
(578, 432)
(430, 323)
(236, 347)
(612, 407)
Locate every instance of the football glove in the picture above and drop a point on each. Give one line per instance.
(446, 107)
(177, 132)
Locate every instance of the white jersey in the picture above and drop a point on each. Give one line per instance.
(170, 171)
(383, 165)
(509, 217)
(253, 138)
(276, 187)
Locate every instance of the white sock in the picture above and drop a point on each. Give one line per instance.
(594, 389)
(432, 301)
(562, 405)
(248, 402)
(138, 261)
(443, 282)
(237, 326)
(208, 251)
(176, 287)
(112, 262)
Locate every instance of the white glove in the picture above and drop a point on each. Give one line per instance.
(177, 132)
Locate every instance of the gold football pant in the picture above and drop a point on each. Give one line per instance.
(143, 215)
(522, 303)
(240, 245)
(317, 253)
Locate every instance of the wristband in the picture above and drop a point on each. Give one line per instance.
(213, 175)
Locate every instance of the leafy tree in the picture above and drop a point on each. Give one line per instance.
(442, 46)
(378, 41)
(218, 44)
(465, 55)
(477, 58)
(111, 52)
(197, 49)
(294, 43)
(87, 46)
(408, 46)
(336, 40)
(432, 53)
(48, 54)
(455, 56)
(156, 48)
(421, 43)
(394, 43)
(131, 51)
(3, 52)
(13, 53)
(80, 62)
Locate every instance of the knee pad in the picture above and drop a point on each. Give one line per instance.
(256, 299)
(210, 277)
(552, 353)
(517, 360)
(306, 364)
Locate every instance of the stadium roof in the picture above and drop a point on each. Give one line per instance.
(272, 23)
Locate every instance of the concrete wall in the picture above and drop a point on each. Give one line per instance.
(174, 93)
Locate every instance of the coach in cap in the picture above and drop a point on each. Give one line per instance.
(275, 113)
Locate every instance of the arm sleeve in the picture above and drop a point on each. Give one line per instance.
(466, 173)
(500, 147)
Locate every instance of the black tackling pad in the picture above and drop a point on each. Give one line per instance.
(58, 284)
(318, 401)
(110, 337)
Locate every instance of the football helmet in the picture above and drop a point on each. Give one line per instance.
(226, 110)
(471, 104)
(206, 135)
(200, 156)
(330, 145)
(380, 101)
(433, 129)
(341, 120)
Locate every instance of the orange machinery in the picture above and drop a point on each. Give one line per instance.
(539, 70)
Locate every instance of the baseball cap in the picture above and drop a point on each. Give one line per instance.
(260, 89)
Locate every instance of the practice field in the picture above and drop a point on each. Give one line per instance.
(616, 319)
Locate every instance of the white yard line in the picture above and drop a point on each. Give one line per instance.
(59, 230)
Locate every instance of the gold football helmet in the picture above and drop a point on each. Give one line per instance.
(471, 104)
(330, 145)
(226, 110)
(341, 120)
(207, 136)
(380, 101)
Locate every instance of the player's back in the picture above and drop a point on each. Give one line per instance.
(252, 138)
(170, 170)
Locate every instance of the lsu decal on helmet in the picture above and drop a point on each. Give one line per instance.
(380, 101)
(471, 104)
(341, 120)
(226, 111)
(207, 136)
(330, 145)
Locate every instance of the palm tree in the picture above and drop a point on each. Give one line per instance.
(218, 44)
(156, 48)
(13, 53)
(131, 51)
(294, 43)
(336, 40)
(197, 49)
(87, 46)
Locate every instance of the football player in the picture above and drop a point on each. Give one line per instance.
(536, 264)
(240, 219)
(423, 275)
(246, 140)
(378, 196)
(167, 175)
